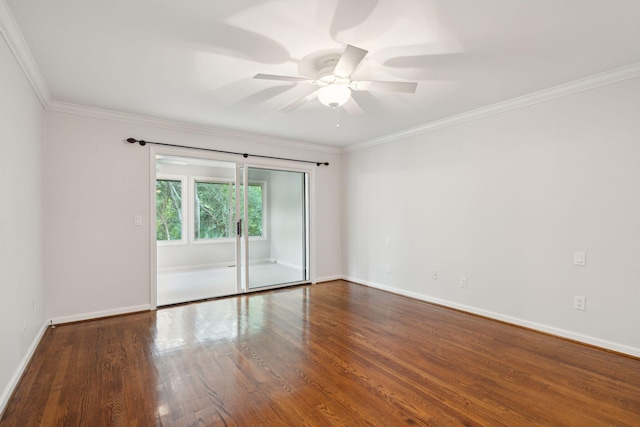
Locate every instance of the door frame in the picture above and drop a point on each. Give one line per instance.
(195, 153)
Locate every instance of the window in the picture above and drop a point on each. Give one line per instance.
(168, 210)
(215, 206)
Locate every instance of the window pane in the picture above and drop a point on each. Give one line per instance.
(213, 209)
(215, 206)
(168, 210)
(255, 210)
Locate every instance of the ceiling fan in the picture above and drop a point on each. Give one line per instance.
(334, 81)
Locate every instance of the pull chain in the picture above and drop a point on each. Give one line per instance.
(337, 116)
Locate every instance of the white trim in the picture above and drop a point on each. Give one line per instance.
(16, 42)
(153, 237)
(608, 77)
(311, 206)
(99, 113)
(329, 279)
(15, 378)
(98, 314)
(565, 89)
(586, 339)
(20, 49)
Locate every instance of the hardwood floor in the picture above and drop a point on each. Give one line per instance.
(329, 354)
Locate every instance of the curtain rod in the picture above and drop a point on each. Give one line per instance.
(245, 155)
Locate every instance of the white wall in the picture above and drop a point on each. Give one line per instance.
(505, 201)
(22, 290)
(97, 262)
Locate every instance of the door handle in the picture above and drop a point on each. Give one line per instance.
(239, 228)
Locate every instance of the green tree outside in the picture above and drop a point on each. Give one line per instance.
(214, 210)
(168, 210)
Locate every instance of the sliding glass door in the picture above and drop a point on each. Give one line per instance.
(224, 228)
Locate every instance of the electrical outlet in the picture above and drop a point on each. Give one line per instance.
(463, 282)
(434, 274)
(580, 258)
(579, 302)
(388, 268)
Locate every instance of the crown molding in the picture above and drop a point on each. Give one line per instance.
(99, 113)
(16, 42)
(18, 46)
(580, 85)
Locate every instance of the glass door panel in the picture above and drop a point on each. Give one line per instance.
(195, 229)
(276, 227)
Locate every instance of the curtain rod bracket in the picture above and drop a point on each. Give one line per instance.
(133, 140)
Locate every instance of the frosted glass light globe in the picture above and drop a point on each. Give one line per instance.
(334, 95)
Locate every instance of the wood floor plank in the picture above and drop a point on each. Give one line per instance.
(330, 354)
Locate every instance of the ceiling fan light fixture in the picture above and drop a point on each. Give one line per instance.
(334, 95)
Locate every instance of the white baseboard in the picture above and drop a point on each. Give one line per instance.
(99, 314)
(191, 267)
(586, 339)
(328, 279)
(13, 382)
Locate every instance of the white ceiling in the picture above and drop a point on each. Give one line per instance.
(193, 60)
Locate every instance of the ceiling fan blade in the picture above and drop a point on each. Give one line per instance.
(353, 108)
(289, 108)
(350, 59)
(281, 78)
(404, 87)
(263, 95)
(349, 14)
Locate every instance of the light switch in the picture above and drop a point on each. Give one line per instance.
(580, 258)
(137, 221)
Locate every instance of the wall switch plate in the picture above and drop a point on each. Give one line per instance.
(388, 268)
(463, 282)
(580, 258)
(137, 221)
(580, 302)
(434, 274)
